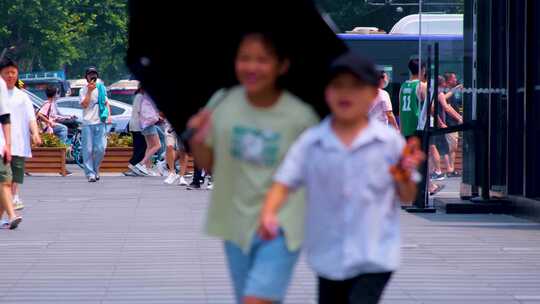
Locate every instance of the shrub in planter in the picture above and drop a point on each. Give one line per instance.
(118, 153)
(119, 141)
(51, 141)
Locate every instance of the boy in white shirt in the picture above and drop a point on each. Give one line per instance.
(352, 223)
(23, 127)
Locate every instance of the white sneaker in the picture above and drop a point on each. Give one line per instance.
(17, 204)
(210, 187)
(171, 179)
(182, 181)
(153, 173)
(168, 179)
(142, 169)
(161, 168)
(134, 170)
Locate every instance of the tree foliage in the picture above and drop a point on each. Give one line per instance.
(66, 34)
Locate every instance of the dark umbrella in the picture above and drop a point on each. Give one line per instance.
(183, 53)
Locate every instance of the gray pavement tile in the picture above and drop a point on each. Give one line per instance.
(48, 301)
(139, 241)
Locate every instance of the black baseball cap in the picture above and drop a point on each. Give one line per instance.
(361, 67)
(91, 70)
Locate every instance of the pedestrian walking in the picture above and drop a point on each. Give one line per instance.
(160, 165)
(149, 118)
(438, 146)
(24, 128)
(382, 107)
(6, 201)
(413, 115)
(96, 116)
(445, 143)
(139, 143)
(411, 98)
(352, 223)
(453, 118)
(242, 141)
(175, 151)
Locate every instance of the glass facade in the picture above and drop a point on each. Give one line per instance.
(511, 61)
(484, 56)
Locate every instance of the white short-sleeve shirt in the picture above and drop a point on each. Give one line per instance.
(352, 210)
(91, 113)
(381, 106)
(22, 113)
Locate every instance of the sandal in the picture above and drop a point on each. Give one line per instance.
(15, 223)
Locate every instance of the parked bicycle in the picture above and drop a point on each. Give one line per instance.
(74, 153)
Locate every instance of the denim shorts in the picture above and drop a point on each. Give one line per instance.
(264, 272)
(173, 140)
(150, 130)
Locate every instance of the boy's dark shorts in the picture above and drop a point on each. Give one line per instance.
(5, 172)
(439, 141)
(17, 169)
(441, 144)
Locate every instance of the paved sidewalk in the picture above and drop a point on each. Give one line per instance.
(135, 240)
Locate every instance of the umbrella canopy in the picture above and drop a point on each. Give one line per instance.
(183, 53)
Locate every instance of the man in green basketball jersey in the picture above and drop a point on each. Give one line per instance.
(411, 99)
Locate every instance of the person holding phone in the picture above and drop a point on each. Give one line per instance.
(96, 116)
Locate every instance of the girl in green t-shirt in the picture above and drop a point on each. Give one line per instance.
(242, 140)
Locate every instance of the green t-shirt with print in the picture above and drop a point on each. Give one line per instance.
(249, 143)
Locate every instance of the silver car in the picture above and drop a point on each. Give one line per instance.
(37, 102)
(121, 112)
